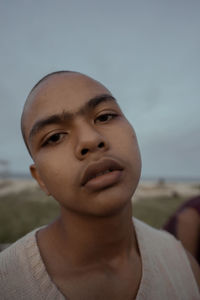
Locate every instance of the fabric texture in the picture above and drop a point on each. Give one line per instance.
(166, 271)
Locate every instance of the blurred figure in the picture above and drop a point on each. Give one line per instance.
(185, 226)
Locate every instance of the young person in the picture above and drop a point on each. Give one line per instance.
(85, 154)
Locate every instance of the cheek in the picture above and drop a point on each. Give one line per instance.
(53, 160)
(128, 147)
(55, 171)
(125, 139)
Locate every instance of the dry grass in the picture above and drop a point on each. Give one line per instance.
(156, 211)
(22, 212)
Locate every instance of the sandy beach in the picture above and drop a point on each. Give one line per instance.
(177, 188)
(12, 186)
(145, 189)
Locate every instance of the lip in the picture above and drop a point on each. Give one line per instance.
(91, 178)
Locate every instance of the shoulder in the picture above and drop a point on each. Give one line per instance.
(151, 234)
(9, 258)
(156, 243)
(166, 252)
(15, 255)
(195, 267)
(161, 241)
(14, 265)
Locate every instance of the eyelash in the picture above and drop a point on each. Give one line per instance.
(48, 141)
(109, 116)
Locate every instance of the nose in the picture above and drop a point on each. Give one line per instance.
(89, 140)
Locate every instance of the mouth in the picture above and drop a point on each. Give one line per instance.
(101, 174)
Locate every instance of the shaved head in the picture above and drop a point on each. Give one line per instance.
(69, 122)
(46, 77)
(31, 96)
(51, 74)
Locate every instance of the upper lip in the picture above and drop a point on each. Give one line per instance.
(101, 166)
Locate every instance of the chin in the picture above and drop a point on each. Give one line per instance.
(112, 211)
(105, 203)
(111, 205)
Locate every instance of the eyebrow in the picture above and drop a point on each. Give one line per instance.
(67, 116)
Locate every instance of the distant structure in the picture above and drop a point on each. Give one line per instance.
(161, 182)
(4, 169)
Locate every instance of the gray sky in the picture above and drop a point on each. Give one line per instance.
(146, 52)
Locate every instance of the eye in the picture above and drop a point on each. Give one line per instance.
(54, 139)
(105, 117)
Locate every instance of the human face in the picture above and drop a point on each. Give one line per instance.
(85, 151)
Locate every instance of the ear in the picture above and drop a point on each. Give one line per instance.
(36, 176)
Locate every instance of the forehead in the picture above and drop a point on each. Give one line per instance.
(60, 92)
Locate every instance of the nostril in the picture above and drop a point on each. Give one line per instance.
(84, 151)
(101, 145)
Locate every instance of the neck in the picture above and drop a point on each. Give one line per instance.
(86, 239)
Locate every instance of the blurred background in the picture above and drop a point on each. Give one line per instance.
(146, 52)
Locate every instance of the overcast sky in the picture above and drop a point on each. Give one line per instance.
(146, 52)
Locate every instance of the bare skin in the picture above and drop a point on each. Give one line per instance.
(92, 244)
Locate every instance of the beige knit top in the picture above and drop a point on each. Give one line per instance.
(166, 271)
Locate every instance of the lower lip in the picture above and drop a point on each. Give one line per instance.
(104, 181)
